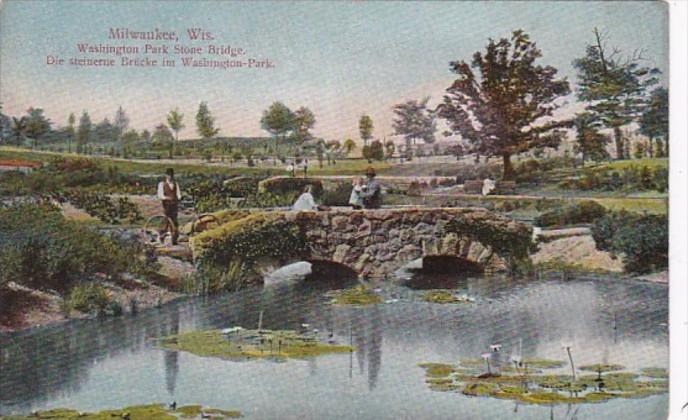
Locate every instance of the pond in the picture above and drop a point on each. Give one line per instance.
(91, 365)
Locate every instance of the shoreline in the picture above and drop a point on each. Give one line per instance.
(41, 315)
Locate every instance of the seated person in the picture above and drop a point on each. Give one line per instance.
(306, 201)
(488, 186)
(355, 200)
(372, 191)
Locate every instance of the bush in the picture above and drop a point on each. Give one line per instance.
(414, 189)
(643, 239)
(87, 298)
(42, 250)
(337, 197)
(103, 207)
(586, 211)
(289, 185)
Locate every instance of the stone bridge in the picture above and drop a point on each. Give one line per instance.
(372, 243)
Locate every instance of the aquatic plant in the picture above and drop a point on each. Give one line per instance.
(243, 344)
(445, 296)
(357, 295)
(139, 412)
(540, 388)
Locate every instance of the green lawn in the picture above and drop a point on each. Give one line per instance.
(639, 205)
(622, 164)
(343, 167)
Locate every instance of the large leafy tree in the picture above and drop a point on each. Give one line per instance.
(175, 121)
(590, 143)
(205, 122)
(414, 120)
(365, 128)
(654, 122)
(506, 108)
(613, 86)
(278, 120)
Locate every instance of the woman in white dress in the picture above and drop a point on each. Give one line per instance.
(355, 200)
(306, 201)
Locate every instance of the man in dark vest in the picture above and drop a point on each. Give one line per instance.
(372, 191)
(169, 194)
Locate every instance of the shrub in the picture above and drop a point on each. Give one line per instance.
(289, 185)
(643, 239)
(581, 212)
(87, 298)
(339, 196)
(414, 189)
(40, 249)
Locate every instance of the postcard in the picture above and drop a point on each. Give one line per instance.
(337, 210)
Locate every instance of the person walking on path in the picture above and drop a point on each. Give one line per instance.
(169, 194)
(372, 192)
(305, 168)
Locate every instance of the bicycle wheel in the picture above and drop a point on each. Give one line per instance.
(154, 225)
(203, 222)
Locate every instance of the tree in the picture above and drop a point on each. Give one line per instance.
(614, 87)
(205, 123)
(303, 121)
(37, 125)
(174, 120)
(70, 130)
(121, 122)
(130, 136)
(277, 120)
(390, 148)
(414, 121)
(499, 112)
(374, 151)
(590, 143)
(162, 135)
(349, 146)
(5, 126)
(146, 135)
(654, 122)
(106, 132)
(83, 134)
(365, 127)
(18, 129)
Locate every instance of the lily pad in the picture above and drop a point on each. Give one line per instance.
(444, 297)
(599, 367)
(250, 344)
(357, 295)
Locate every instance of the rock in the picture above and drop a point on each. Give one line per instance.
(340, 253)
(340, 222)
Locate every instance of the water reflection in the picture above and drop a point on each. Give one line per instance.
(56, 363)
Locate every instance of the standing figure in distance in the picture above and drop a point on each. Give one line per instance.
(169, 194)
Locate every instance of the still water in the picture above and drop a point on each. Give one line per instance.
(91, 365)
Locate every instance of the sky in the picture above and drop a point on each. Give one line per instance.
(339, 59)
